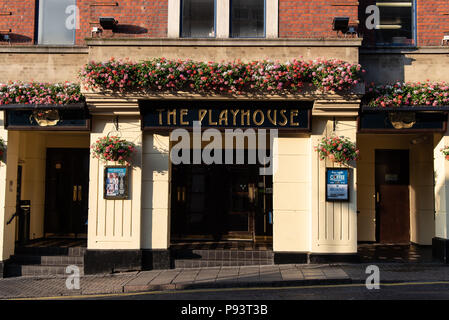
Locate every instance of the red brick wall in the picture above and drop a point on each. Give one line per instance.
(137, 18)
(433, 21)
(21, 22)
(148, 18)
(313, 19)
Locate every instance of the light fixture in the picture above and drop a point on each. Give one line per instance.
(340, 24)
(445, 40)
(108, 23)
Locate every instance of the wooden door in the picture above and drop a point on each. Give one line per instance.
(66, 192)
(392, 196)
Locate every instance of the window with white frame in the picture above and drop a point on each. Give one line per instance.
(397, 23)
(57, 22)
(198, 18)
(247, 18)
(223, 18)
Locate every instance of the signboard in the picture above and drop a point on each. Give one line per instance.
(226, 114)
(116, 182)
(337, 184)
(68, 120)
(397, 122)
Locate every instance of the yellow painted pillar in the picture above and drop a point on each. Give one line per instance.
(155, 192)
(115, 224)
(440, 242)
(291, 194)
(334, 224)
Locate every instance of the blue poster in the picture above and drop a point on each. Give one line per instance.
(115, 182)
(337, 187)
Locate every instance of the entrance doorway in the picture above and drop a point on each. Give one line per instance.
(392, 196)
(220, 202)
(66, 192)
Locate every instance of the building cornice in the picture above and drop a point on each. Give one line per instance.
(177, 42)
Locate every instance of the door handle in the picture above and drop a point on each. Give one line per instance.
(75, 193)
(377, 197)
(80, 194)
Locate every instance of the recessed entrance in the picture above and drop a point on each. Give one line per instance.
(220, 202)
(66, 192)
(392, 196)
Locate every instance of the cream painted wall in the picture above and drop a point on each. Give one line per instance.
(115, 224)
(421, 185)
(291, 194)
(334, 225)
(156, 191)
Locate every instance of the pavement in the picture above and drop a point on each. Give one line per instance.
(219, 277)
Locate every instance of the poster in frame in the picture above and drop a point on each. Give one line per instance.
(116, 183)
(337, 184)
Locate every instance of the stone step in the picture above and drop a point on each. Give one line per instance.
(203, 263)
(223, 254)
(51, 251)
(47, 260)
(17, 270)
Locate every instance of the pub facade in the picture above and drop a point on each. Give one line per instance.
(197, 181)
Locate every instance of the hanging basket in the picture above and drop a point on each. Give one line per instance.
(339, 150)
(445, 151)
(113, 149)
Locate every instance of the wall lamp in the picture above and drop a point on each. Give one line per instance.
(341, 24)
(108, 23)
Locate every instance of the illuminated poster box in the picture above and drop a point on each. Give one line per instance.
(337, 184)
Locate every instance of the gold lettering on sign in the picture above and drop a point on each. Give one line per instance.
(285, 121)
(173, 115)
(160, 116)
(245, 114)
(211, 123)
(201, 114)
(272, 119)
(234, 115)
(183, 113)
(294, 113)
(223, 118)
(262, 117)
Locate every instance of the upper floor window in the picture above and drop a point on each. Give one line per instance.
(397, 23)
(247, 18)
(223, 19)
(198, 18)
(56, 22)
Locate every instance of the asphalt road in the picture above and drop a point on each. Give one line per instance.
(395, 291)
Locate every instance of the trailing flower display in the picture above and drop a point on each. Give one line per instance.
(408, 94)
(220, 77)
(113, 149)
(337, 149)
(40, 93)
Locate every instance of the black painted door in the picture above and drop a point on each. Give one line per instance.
(392, 196)
(66, 191)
